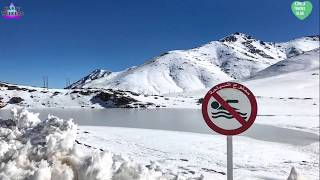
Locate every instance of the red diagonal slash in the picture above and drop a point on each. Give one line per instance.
(229, 109)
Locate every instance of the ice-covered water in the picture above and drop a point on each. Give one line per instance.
(186, 120)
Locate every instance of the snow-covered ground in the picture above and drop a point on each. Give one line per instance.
(193, 154)
(54, 148)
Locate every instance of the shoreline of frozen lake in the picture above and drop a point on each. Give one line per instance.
(181, 120)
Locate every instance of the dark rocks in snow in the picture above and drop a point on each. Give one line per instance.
(13, 88)
(85, 93)
(149, 104)
(16, 88)
(212, 170)
(124, 101)
(56, 93)
(233, 37)
(307, 98)
(7, 123)
(200, 101)
(252, 49)
(163, 54)
(104, 96)
(15, 100)
(86, 145)
(117, 99)
(2, 104)
(294, 52)
(229, 39)
(314, 38)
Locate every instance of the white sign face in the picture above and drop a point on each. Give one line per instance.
(223, 118)
(229, 108)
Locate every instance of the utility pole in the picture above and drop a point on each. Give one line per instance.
(45, 82)
(67, 82)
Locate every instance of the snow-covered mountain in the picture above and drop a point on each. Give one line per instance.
(234, 57)
(299, 45)
(306, 61)
(297, 77)
(96, 74)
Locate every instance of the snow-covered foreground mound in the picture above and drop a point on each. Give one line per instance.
(46, 150)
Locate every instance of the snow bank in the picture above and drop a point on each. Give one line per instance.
(294, 175)
(46, 150)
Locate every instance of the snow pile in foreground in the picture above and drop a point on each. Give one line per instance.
(46, 150)
(294, 175)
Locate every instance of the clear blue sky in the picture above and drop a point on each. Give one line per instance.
(70, 38)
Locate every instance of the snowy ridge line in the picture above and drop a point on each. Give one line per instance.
(236, 56)
(23, 96)
(46, 150)
(29, 97)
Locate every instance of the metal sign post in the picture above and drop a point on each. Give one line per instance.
(229, 158)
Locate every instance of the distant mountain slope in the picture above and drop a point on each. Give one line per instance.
(299, 45)
(97, 74)
(295, 77)
(234, 57)
(303, 62)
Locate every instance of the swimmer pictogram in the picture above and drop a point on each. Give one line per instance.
(222, 112)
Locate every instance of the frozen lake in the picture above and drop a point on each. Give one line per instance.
(186, 120)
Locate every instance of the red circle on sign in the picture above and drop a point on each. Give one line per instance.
(213, 91)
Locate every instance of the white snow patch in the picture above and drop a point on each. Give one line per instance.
(294, 175)
(46, 150)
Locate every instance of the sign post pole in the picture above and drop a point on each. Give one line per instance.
(229, 158)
